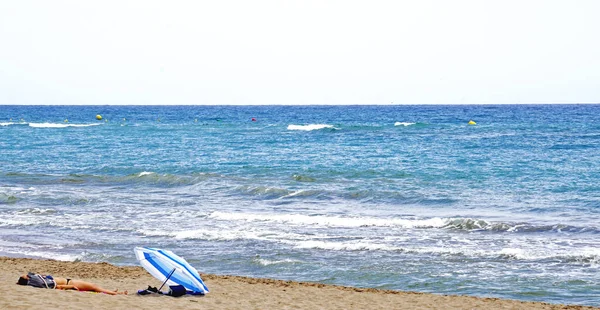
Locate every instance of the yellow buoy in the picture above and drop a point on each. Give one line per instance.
(472, 123)
(99, 117)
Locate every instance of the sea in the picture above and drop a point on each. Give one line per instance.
(480, 200)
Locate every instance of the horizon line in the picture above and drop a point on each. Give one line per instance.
(300, 105)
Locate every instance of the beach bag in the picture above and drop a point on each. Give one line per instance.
(176, 291)
(37, 280)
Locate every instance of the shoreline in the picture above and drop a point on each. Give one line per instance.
(226, 292)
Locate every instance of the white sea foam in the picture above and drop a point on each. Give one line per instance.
(345, 246)
(309, 127)
(155, 233)
(403, 124)
(221, 235)
(225, 235)
(143, 173)
(330, 221)
(16, 222)
(514, 253)
(39, 211)
(266, 262)
(41, 254)
(6, 124)
(59, 125)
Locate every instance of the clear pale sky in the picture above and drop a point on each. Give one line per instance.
(299, 52)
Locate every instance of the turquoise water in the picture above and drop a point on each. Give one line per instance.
(393, 197)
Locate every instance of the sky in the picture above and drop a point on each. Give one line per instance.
(231, 52)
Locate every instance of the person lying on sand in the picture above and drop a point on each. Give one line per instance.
(47, 281)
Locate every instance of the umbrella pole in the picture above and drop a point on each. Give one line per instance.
(167, 279)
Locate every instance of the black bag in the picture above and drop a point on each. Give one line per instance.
(177, 290)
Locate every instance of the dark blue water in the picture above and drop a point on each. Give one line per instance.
(395, 197)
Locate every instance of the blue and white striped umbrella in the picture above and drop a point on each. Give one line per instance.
(167, 266)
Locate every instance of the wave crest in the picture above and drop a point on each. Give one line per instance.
(37, 211)
(403, 124)
(59, 125)
(469, 224)
(330, 221)
(7, 199)
(310, 127)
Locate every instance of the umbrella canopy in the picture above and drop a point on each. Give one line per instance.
(164, 264)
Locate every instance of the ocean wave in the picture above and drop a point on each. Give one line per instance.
(223, 234)
(59, 125)
(464, 224)
(32, 251)
(585, 256)
(328, 221)
(304, 194)
(303, 178)
(143, 177)
(572, 146)
(57, 253)
(36, 211)
(404, 124)
(564, 256)
(267, 262)
(268, 192)
(233, 185)
(574, 255)
(8, 222)
(272, 192)
(470, 224)
(98, 257)
(198, 234)
(8, 199)
(265, 192)
(167, 178)
(345, 246)
(310, 127)
(13, 123)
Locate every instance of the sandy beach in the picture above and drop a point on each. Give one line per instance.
(226, 292)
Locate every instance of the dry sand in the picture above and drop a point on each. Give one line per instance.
(226, 292)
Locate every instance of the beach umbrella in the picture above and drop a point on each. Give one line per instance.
(166, 266)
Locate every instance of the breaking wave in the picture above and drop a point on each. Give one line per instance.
(267, 262)
(464, 224)
(469, 224)
(7, 199)
(59, 125)
(403, 124)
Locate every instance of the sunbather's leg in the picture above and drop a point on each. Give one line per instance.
(87, 286)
